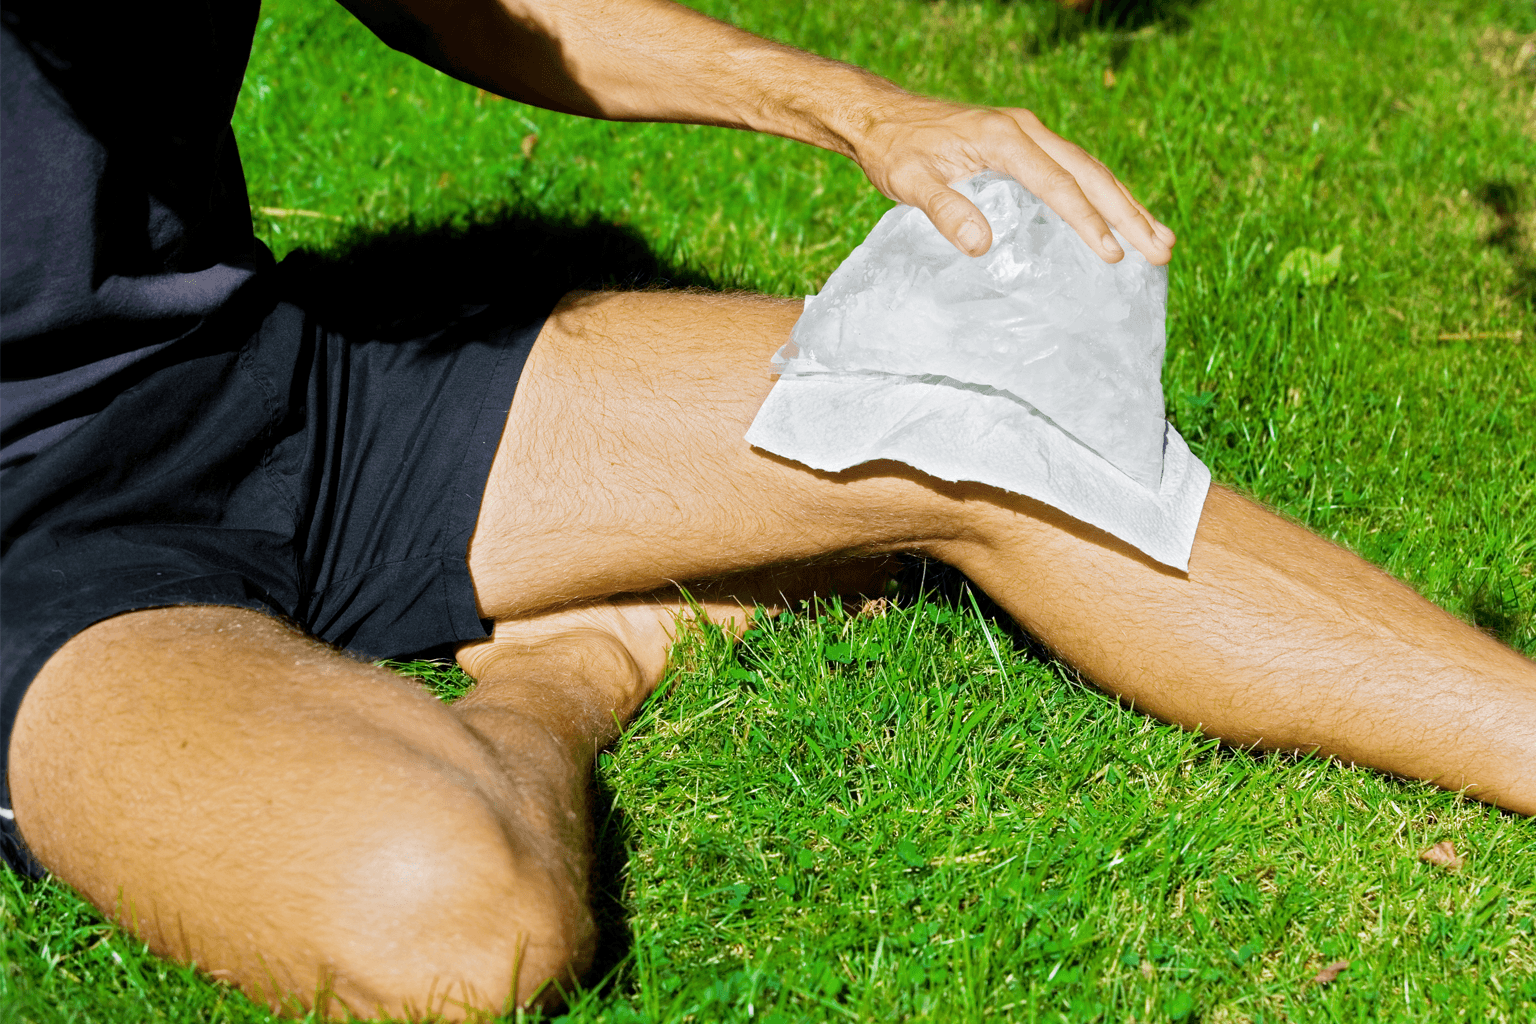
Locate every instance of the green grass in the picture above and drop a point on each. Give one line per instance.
(871, 818)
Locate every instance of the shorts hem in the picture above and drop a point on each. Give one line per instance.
(461, 602)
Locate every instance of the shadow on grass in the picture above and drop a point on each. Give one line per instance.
(943, 584)
(1125, 20)
(1495, 609)
(512, 265)
(613, 838)
(1508, 236)
(416, 279)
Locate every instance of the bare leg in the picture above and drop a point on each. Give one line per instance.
(623, 465)
(409, 858)
(322, 832)
(1276, 639)
(316, 830)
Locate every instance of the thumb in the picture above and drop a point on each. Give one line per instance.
(958, 220)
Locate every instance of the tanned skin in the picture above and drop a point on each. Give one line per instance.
(653, 60)
(322, 833)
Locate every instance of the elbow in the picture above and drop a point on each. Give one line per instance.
(395, 26)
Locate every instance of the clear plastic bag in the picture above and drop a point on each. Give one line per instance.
(1040, 318)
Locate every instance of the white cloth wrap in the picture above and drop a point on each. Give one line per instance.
(956, 434)
(1035, 368)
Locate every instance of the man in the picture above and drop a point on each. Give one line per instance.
(187, 457)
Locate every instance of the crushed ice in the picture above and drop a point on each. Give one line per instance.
(1039, 318)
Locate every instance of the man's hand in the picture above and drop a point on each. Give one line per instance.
(914, 149)
(655, 60)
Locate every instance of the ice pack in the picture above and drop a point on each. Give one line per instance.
(1040, 319)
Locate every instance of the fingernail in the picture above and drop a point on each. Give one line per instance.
(1162, 230)
(970, 238)
(1111, 246)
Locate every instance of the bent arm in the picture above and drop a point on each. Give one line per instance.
(633, 60)
(655, 60)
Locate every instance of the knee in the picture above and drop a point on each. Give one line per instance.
(449, 916)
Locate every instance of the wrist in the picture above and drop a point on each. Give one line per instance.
(768, 87)
(840, 109)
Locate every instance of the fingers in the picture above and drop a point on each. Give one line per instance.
(1100, 189)
(921, 153)
(1162, 231)
(994, 139)
(957, 219)
(1061, 192)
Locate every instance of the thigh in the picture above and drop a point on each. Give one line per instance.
(624, 466)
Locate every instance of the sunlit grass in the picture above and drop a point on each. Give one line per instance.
(880, 817)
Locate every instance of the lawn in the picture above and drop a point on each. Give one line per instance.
(906, 811)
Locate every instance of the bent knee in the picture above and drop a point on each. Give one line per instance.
(441, 913)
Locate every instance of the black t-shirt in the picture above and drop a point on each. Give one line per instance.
(125, 230)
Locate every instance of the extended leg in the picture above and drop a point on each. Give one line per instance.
(1278, 639)
(301, 823)
(623, 466)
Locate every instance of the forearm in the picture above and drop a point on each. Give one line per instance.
(636, 60)
(655, 60)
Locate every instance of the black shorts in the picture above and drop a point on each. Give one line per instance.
(329, 480)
